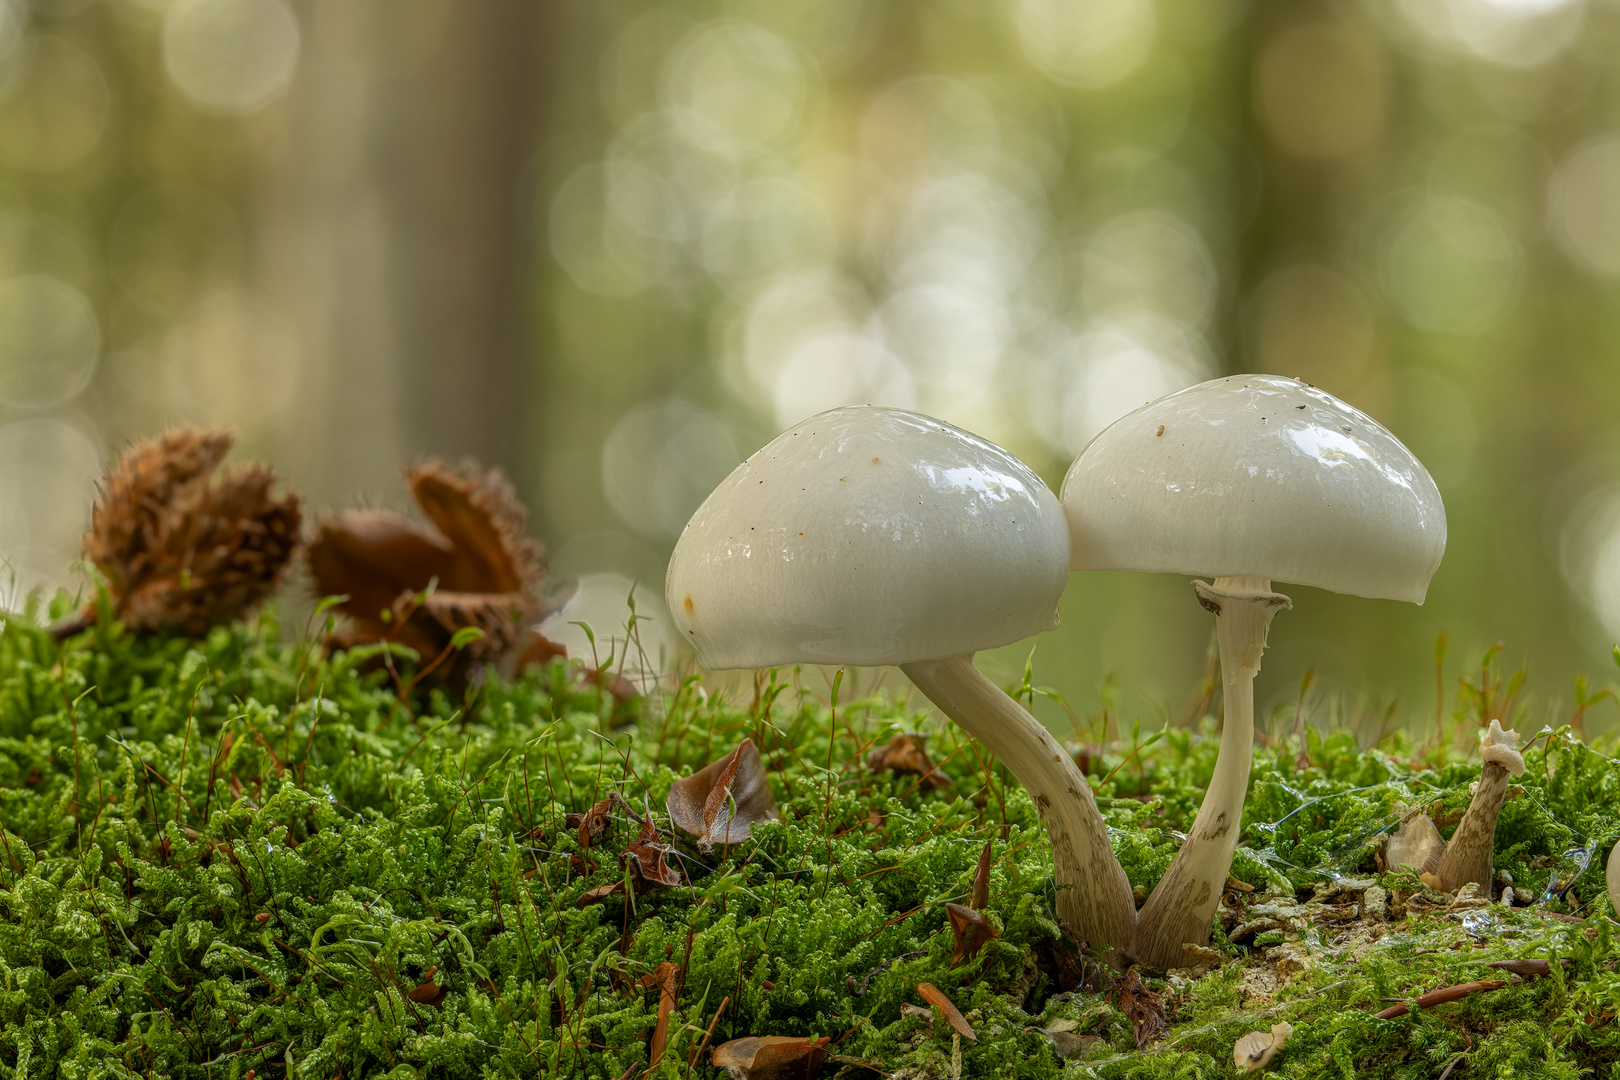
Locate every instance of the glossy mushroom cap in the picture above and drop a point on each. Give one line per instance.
(869, 536)
(1257, 476)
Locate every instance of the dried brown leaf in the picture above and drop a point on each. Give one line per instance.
(181, 548)
(599, 894)
(429, 992)
(981, 880)
(953, 1016)
(590, 825)
(721, 802)
(907, 754)
(667, 978)
(486, 568)
(537, 649)
(771, 1057)
(970, 929)
(645, 856)
(1144, 1008)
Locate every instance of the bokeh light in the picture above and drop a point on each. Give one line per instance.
(53, 104)
(230, 56)
(49, 341)
(1583, 205)
(660, 462)
(1452, 266)
(1320, 90)
(1088, 45)
(48, 471)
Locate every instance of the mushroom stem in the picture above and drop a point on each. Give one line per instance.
(1094, 896)
(1468, 855)
(1182, 907)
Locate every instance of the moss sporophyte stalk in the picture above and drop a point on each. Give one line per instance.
(239, 855)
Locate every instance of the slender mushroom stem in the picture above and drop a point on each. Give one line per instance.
(1094, 897)
(1468, 855)
(1183, 905)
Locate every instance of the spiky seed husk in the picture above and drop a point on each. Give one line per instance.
(181, 549)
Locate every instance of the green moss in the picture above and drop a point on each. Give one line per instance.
(235, 855)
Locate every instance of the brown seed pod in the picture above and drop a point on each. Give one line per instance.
(182, 550)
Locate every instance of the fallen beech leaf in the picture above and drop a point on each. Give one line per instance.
(906, 754)
(1440, 997)
(771, 1057)
(486, 567)
(721, 802)
(1143, 1006)
(592, 823)
(429, 992)
(599, 894)
(537, 649)
(182, 551)
(667, 978)
(935, 997)
(1256, 1049)
(970, 929)
(645, 857)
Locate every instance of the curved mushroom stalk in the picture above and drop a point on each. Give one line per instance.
(1468, 854)
(1094, 897)
(1183, 904)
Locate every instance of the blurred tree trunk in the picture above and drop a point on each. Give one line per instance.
(399, 238)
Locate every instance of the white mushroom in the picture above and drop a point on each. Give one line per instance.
(1250, 479)
(870, 536)
(1469, 852)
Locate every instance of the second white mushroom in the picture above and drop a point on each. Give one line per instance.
(1249, 479)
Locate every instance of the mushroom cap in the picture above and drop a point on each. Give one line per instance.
(1257, 476)
(867, 536)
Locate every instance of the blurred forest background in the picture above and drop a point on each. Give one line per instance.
(614, 247)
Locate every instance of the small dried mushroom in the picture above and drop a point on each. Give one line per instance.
(720, 803)
(1256, 1049)
(1415, 843)
(418, 586)
(183, 550)
(1467, 856)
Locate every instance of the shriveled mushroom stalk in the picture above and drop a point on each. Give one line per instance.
(872, 536)
(1183, 903)
(1467, 856)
